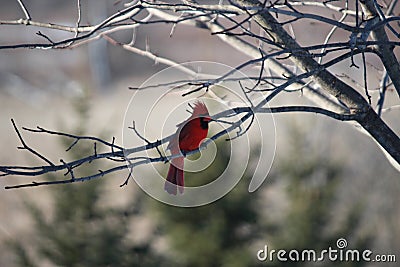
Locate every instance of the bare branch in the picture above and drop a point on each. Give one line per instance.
(26, 147)
(150, 55)
(27, 22)
(389, 140)
(78, 20)
(132, 162)
(26, 12)
(76, 137)
(385, 52)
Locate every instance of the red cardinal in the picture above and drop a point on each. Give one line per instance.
(187, 138)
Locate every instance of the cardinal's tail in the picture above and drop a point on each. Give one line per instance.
(175, 179)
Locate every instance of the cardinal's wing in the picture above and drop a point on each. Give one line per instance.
(175, 139)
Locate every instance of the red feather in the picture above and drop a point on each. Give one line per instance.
(187, 138)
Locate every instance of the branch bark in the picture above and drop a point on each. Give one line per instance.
(368, 119)
(385, 52)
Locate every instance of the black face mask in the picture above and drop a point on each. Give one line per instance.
(204, 123)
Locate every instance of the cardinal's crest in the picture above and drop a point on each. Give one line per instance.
(200, 110)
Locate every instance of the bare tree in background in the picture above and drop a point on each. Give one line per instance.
(264, 32)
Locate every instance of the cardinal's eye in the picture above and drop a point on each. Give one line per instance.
(203, 123)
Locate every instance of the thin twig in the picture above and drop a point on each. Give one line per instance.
(150, 55)
(78, 20)
(24, 9)
(25, 146)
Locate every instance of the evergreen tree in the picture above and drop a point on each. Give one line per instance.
(311, 185)
(225, 232)
(80, 231)
(217, 234)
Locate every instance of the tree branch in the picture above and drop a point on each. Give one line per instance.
(334, 86)
(26, 12)
(123, 153)
(385, 52)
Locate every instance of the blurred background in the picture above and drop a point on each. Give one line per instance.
(328, 180)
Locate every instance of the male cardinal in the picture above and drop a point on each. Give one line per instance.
(187, 138)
